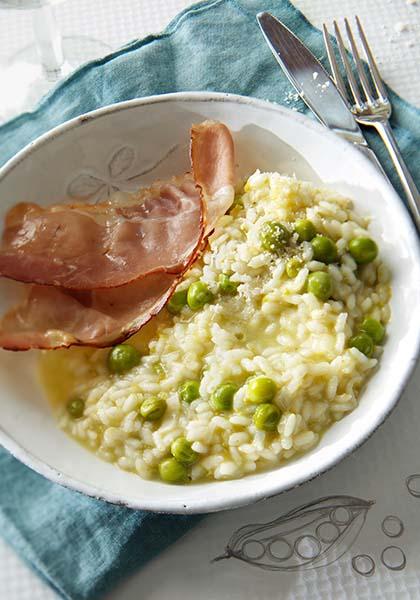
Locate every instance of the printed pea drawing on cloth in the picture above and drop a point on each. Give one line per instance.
(315, 535)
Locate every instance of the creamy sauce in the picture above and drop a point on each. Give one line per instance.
(56, 366)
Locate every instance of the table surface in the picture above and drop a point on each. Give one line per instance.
(188, 572)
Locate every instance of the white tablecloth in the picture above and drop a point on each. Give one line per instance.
(184, 571)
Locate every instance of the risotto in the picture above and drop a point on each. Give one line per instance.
(267, 342)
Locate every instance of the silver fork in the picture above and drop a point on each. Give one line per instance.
(370, 108)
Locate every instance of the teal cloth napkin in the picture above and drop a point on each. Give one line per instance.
(82, 546)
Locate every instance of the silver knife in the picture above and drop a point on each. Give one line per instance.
(313, 84)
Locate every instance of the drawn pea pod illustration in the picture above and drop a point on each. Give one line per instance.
(310, 536)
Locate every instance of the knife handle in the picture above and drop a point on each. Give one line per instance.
(369, 153)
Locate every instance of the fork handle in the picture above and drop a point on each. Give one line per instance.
(411, 191)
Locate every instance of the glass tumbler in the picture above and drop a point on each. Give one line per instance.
(31, 72)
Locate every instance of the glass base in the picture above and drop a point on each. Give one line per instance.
(24, 81)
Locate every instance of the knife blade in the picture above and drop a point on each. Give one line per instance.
(312, 83)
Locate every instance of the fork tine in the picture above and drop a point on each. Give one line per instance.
(333, 62)
(347, 66)
(367, 88)
(377, 80)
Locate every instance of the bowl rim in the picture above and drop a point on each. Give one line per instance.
(206, 503)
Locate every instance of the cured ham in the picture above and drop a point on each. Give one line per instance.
(89, 247)
(52, 318)
(56, 316)
(213, 163)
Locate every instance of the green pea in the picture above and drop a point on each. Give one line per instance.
(177, 302)
(266, 417)
(153, 408)
(172, 471)
(226, 286)
(274, 236)
(189, 391)
(123, 358)
(293, 266)
(260, 389)
(363, 250)
(374, 329)
(222, 397)
(182, 451)
(198, 295)
(324, 249)
(319, 284)
(305, 229)
(76, 407)
(363, 342)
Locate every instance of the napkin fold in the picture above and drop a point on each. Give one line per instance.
(79, 545)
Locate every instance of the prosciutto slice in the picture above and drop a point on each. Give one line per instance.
(213, 162)
(54, 317)
(89, 247)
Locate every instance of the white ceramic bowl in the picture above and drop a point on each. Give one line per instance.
(116, 148)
